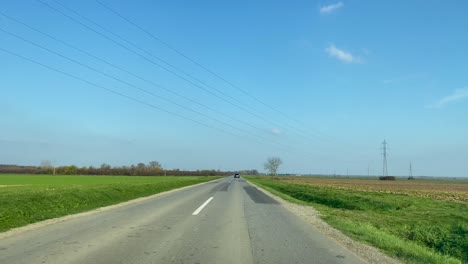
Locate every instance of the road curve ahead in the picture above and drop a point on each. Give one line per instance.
(224, 221)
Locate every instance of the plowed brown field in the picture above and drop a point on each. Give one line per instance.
(448, 190)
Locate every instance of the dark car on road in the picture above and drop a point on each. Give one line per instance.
(237, 175)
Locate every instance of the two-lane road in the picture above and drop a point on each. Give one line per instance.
(225, 221)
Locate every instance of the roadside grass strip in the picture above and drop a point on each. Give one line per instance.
(39, 198)
(410, 228)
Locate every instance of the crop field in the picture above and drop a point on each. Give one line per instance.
(447, 190)
(26, 199)
(420, 221)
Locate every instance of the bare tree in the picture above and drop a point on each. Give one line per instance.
(154, 165)
(47, 166)
(272, 164)
(105, 168)
(141, 166)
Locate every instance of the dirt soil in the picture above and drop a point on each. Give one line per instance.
(439, 190)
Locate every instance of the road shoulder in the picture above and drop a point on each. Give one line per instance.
(312, 216)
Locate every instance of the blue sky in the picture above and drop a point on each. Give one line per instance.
(341, 76)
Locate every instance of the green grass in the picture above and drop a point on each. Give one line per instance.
(412, 229)
(26, 199)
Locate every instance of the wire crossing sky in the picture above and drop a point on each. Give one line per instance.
(211, 85)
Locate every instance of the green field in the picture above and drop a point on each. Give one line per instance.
(26, 199)
(402, 224)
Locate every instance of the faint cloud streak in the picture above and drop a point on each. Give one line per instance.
(276, 131)
(458, 95)
(342, 55)
(330, 8)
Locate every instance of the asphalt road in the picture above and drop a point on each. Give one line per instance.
(239, 224)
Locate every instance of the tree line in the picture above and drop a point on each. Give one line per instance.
(152, 168)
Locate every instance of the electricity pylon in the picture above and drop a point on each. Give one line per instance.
(384, 149)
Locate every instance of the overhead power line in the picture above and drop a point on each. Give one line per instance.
(136, 87)
(152, 55)
(243, 108)
(137, 100)
(133, 86)
(290, 151)
(149, 60)
(116, 92)
(127, 96)
(153, 36)
(131, 73)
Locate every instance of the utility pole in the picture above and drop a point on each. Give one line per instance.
(410, 172)
(368, 171)
(384, 169)
(53, 166)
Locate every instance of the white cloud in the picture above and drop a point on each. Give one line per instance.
(342, 55)
(330, 8)
(276, 131)
(458, 95)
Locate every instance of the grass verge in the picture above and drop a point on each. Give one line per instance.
(26, 199)
(412, 229)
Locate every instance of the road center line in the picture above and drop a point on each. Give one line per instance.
(202, 206)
